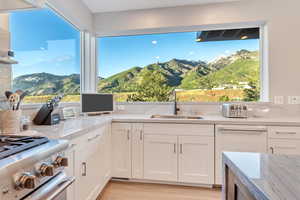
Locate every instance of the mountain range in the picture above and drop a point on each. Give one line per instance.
(238, 68)
(233, 70)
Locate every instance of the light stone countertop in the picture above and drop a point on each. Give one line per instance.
(73, 128)
(267, 177)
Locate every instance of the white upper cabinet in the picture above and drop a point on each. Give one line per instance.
(160, 157)
(196, 159)
(121, 150)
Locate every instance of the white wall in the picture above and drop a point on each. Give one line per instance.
(4, 22)
(281, 16)
(75, 11)
(5, 70)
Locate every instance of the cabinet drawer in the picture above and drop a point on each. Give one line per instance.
(87, 137)
(121, 127)
(282, 132)
(284, 146)
(178, 129)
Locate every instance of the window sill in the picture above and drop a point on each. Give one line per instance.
(38, 105)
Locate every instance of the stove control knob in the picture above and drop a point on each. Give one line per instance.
(47, 170)
(27, 181)
(61, 162)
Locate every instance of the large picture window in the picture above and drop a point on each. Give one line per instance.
(204, 66)
(47, 48)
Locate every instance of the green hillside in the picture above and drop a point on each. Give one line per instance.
(155, 82)
(45, 83)
(237, 71)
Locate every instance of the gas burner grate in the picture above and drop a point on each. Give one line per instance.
(10, 145)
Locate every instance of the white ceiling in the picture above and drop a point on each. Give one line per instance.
(121, 5)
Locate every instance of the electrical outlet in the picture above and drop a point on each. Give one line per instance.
(121, 107)
(278, 100)
(293, 99)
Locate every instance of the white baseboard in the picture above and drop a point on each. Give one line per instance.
(163, 182)
(97, 190)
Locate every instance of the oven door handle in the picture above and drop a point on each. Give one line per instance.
(52, 188)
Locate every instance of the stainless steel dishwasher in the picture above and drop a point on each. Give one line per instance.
(238, 138)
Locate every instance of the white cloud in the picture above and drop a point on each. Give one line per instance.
(191, 53)
(154, 42)
(64, 58)
(157, 57)
(227, 52)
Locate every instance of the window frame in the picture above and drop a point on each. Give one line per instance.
(263, 48)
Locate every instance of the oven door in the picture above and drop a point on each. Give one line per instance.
(54, 189)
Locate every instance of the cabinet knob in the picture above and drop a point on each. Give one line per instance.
(61, 162)
(47, 170)
(26, 181)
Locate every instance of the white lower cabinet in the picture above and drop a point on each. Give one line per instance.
(160, 157)
(137, 151)
(121, 150)
(241, 138)
(90, 163)
(196, 159)
(70, 171)
(284, 140)
(106, 163)
(173, 155)
(178, 153)
(284, 146)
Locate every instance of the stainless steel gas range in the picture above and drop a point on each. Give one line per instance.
(32, 168)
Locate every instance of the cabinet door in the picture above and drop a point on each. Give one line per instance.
(196, 159)
(121, 150)
(137, 151)
(82, 186)
(160, 157)
(237, 142)
(70, 170)
(284, 146)
(87, 165)
(107, 153)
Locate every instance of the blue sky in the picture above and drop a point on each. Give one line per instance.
(44, 42)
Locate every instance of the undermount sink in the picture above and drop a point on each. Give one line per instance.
(176, 117)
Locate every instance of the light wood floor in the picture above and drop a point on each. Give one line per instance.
(142, 191)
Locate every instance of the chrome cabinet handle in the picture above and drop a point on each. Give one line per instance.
(241, 130)
(174, 147)
(272, 150)
(141, 135)
(93, 138)
(128, 135)
(287, 133)
(84, 169)
(181, 151)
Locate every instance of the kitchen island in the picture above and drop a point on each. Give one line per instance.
(255, 176)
